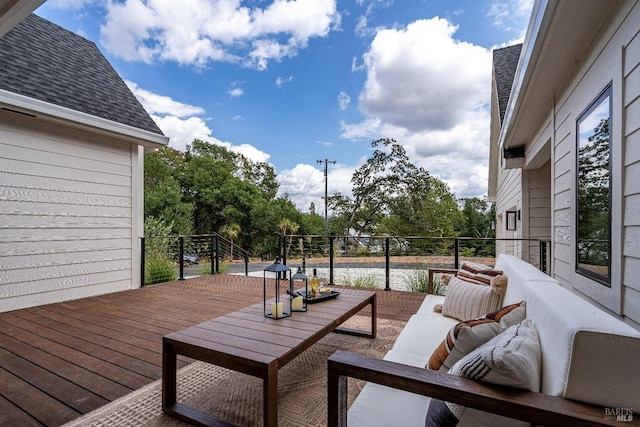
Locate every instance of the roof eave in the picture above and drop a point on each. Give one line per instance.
(531, 50)
(75, 118)
(557, 43)
(14, 11)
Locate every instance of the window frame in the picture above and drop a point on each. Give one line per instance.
(597, 102)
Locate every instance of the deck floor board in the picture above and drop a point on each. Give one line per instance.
(62, 360)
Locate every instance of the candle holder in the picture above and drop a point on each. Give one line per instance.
(298, 302)
(277, 309)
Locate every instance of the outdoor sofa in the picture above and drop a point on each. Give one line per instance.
(586, 373)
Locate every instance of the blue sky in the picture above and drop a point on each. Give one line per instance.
(292, 82)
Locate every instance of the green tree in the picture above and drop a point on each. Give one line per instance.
(393, 196)
(163, 193)
(231, 232)
(477, 216)
(268, 219)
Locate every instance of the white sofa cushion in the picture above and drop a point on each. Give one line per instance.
(430, 301)
(585, 351)
(519, 272)
(422, 334)
(380, 406)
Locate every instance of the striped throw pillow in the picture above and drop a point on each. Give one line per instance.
(468, 335)
(465, 300)
(477, 273)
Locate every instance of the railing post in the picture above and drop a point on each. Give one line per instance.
(217, 255)
(456, 254)
(284, 249)
(181, 240)
(143, 260)
(543, 256)
(331, 239)
(211, 254)
(387, 283)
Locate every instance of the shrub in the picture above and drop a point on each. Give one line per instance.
(205, 268)
(361, 280)
(418, 281)
(159, 269)
(439, 288)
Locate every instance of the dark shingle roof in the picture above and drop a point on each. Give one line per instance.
(41, 60)
(505, 62)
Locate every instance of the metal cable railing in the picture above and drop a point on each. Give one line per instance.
(167, 258)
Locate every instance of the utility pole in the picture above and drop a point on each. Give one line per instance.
(326, 220)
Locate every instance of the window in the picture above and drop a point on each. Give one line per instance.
(593, 257)
(511, 220)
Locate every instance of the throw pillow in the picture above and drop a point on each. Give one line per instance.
(466, 300)
(509, 315)
(468, 335)
(512, 358)
(477, 273)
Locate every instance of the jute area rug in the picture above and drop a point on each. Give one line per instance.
(237, 398)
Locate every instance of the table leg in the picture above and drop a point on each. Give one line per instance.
(374, 316)
(270, 396)
(373, 303)
(169, 376)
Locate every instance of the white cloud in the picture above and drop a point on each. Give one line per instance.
(511, 15)
(343, 100)
(197, 32)
(183, 131)
(431, 93)
(180, 122)
(68, 4)
(236, 92)
(421, 78)
(282, 80)
(305, 184)
(160, 104)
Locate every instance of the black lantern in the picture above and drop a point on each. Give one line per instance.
(275, 308)
(298, 302)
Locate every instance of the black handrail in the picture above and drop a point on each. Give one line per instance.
(544, 251)
(384, 243)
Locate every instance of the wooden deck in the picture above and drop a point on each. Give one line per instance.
(62, 360)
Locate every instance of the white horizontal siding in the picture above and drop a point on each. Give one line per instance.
(631, 191)
(66, 203)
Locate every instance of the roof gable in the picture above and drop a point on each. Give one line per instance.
(505, 63)
(41, 60)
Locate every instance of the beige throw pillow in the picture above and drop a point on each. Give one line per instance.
(466, 300)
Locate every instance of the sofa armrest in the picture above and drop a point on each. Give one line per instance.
(433, 271)
(536, 408)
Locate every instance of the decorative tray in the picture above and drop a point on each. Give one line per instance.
(323, 297)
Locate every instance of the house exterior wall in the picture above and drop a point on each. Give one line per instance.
(631, 174)
(509, 198)
(70, 213)
(614, 58)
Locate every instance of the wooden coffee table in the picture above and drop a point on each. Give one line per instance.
(248, 342)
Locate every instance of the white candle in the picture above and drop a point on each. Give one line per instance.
(276, 311)
(296, 303)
